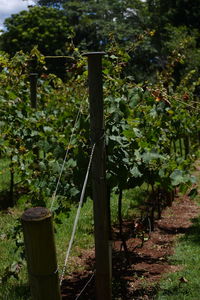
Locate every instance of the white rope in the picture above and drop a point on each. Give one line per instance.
(83, 289)
(77, 214)
(64, 161)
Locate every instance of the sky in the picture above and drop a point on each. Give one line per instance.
(8, 7)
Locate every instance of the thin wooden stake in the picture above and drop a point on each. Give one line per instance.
(101, 203)
(41, 254)
(33, 89)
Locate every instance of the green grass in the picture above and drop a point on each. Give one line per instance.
(15, 290)
(187, 255)
(7, 221)
(83, 237)
(131, 200)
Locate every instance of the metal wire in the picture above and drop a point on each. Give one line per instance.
(83, 289)
(78, 213)
(64, 161)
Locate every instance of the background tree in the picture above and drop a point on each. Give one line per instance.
(177, 13)
(148, 31)
(44, 27)
(93, 21)
(175, 23)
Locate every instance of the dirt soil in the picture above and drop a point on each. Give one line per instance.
(140, 278)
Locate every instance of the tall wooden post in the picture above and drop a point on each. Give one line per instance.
(41, 254)
(101, 204)
(33, 89)
(33, 77)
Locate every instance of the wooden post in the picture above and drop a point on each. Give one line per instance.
(12, 181)
(33, 77)
(33, 89)
(33, 81)
(41, 254)
(103, 249)
(187, 145)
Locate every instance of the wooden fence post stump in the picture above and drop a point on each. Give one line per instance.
(41, 254)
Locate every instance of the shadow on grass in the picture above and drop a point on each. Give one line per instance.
(193, 233)
(4, 199)
(15, 292)
(175, 292)
(174, 287)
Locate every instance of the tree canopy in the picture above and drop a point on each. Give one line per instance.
(152, 26)
(177, 13)
(93, 21)
(45, 27)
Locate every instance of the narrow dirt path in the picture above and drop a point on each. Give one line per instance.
(147, 264)
(151, 261)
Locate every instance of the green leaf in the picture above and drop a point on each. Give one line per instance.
(135, 172)
(149, 156)
(113, 57)
(71, 163)
(74, 191)
(193, 193)
(177, 177)
(48, 129)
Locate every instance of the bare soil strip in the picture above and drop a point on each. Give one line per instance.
(139, 279)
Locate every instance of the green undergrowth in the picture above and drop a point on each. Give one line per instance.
(4, 174)
(13, 288)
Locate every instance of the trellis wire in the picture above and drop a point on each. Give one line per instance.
(64, 161)
(83, 289)
(188, 105)
(78, 213)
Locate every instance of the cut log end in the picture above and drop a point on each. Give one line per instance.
(36, 214)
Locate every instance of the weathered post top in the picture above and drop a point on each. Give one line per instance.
(94, 53)
(36, 214)
(33, 74)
